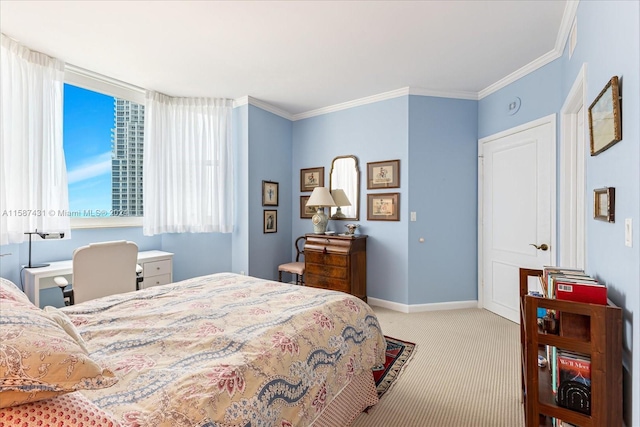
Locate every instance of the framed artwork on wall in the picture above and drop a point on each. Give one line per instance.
(270, 221)
(311, 178)
(383, 207)
(306, 211)
(384, 174)
(269, 193)
(605, 118)
(604, 204)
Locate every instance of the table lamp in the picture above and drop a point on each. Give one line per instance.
(320, 198)
(341, 199)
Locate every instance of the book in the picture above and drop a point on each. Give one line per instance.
(581, 290)
(574, 381)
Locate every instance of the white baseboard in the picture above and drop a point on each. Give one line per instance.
(416, 308)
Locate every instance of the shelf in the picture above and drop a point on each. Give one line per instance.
(603, 345)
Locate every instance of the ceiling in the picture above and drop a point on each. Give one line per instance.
(297, 56)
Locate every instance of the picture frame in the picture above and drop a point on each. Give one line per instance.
(270, 221)
(270, 193)
(605, 118)
(385, 174)
(383, 207)
(604, 204)
(305, 211)
(311, 178)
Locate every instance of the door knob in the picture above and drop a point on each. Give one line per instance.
(542, 247)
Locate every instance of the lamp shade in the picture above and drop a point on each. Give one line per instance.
(340, 197)
(321, 197)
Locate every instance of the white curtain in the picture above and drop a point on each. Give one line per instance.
(33, 173)
(188, 165)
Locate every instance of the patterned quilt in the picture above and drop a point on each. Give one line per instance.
(227, 350)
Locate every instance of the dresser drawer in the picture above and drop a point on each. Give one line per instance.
(156, 268)
(151, 281)
(327, 271)
(327, 283)
(328, 241)
(328, 258)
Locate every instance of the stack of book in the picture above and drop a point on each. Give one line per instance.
(573, 285)
(570, 371)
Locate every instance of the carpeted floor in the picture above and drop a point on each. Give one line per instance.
(465, 372)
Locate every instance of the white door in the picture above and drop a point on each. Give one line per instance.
(517, 210)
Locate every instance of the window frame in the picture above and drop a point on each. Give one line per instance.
(98, 83)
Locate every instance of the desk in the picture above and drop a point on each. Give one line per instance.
(157, 269)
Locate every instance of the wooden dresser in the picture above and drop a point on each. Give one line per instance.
(337, 262)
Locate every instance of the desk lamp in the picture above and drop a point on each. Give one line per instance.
(43, 235)
(320, 198)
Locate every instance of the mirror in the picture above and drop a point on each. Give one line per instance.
(345, 175)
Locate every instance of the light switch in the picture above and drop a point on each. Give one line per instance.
(413, 216)
(628, 232)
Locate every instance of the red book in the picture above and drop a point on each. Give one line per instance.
(590, 292)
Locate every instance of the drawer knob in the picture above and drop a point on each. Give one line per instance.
(157, 268)
(324, 250)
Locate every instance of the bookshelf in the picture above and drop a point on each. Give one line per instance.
(603, 346)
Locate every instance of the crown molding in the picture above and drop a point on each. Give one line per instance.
(244, 100)
(570, 10)
(455, 94)
(355, 103)
(519, 73)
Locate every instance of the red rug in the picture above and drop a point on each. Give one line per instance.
(397, 356)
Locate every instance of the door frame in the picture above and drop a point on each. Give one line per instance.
(572, 170)
(550, 119)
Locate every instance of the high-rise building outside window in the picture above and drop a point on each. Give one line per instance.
(128, 136)
(103, 145)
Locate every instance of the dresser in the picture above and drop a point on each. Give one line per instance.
(337, 263)
(157, 269)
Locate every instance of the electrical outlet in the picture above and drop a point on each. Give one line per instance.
(628, 232)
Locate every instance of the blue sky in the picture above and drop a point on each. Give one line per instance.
(88, 120)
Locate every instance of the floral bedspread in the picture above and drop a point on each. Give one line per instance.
(227, 350)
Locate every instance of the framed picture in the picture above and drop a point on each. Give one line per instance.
(269, 193)
(383, 207)
(270, 221)
(311, 178)
(605, 119)
(604, 204)
(305, 211)
(383, 174)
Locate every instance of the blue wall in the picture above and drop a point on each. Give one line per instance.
(443, 171)
(540, 95)
(609, 43)
(240, 238)
(436, 142)
(371, 132)
(269, 142)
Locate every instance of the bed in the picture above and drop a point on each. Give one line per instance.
(214, 351)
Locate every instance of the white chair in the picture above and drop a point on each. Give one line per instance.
(101, 269)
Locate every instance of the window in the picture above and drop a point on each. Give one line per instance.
(98, 144)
